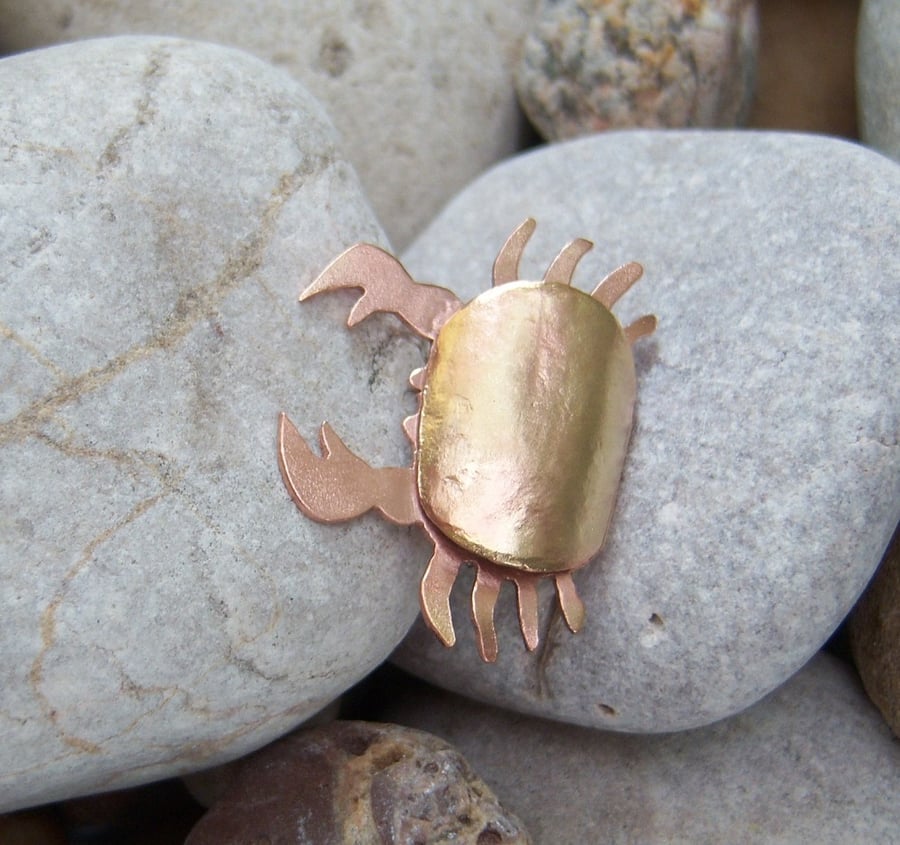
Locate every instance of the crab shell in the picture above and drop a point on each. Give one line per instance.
(526, 413)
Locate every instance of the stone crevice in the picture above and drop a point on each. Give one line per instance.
(48, 624)
(246, 664)
(44, 149)
(145, 111)
(548, 644)
(135, 462)
(32, 351)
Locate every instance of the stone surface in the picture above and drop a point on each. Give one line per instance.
(762, 482)
(163, 605)
(807, 56)
(878, 75)
(421, 93)
(358, 782)
(589, 66)
(874, 628)
(811, 763)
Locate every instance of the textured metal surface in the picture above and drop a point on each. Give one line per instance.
(526, 415)
(339, 485)
(506, 264)
(386, 286)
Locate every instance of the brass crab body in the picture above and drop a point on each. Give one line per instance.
(524, 418)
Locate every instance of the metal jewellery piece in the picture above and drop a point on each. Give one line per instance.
(525, 411)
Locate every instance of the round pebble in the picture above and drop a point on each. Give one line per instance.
(878, 75)
(358, 782)
(163, 605)
(761, 484)
(588, 66)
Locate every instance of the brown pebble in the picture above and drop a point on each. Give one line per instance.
(208, 786)
(358, 782)
(874, 628)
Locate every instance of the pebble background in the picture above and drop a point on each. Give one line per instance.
(874, 628)
(421, 93)
(357, 782)
(130, 188)
(812, 762)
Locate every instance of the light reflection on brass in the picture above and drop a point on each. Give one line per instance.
(525, 420)
(525, 414)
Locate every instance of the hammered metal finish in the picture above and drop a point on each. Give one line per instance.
(526, 415)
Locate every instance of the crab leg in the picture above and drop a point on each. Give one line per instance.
(484, 600)
(411, 427)
(339, 485)
(528, 609)
(563, 266)
(617, 284)
(571, 604)
(506, 265)
(526, 596)
(387, 287)
(641, 327)
(434, 592)
(411, 423)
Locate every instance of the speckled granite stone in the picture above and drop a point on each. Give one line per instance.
(878, 75)
(811, 763)
(762, 482)
(875, 636)
(589, 66)
(421, 93)
(358, 782)
(163, 606)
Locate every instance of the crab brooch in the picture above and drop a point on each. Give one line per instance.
(525, 412)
